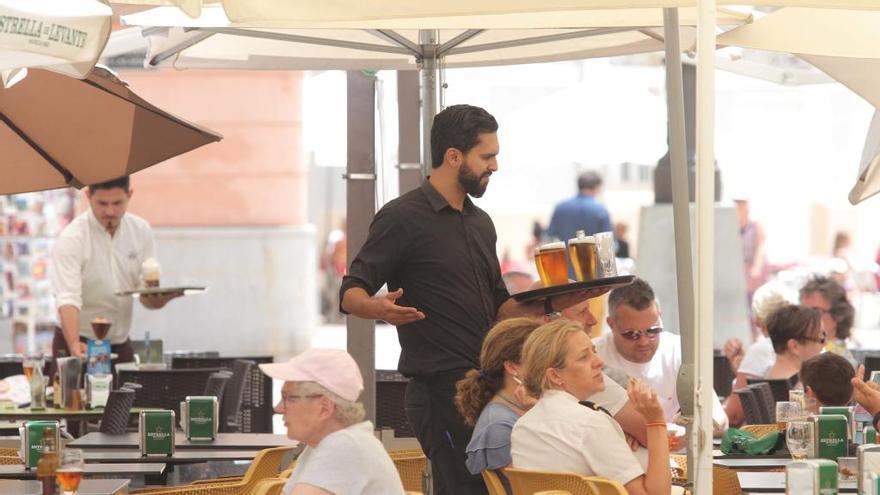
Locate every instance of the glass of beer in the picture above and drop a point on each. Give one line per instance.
(787, 411)
(70, 471)
(584, 257)
(552, 264)
(799, 439)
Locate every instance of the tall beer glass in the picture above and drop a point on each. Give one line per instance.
(584, 257)
(70, 471)
(551, 263)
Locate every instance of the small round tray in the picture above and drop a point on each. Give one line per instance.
(162, 291)
(598, 286)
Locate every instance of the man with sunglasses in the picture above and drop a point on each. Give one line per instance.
(638, 346)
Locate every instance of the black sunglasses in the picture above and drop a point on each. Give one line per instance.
(635, 335)
(821, 339)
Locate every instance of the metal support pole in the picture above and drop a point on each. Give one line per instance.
(360, 209)
(429, 39)
(681, 219)
(705, 220)
(408, 147)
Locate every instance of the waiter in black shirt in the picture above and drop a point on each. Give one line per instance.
(436, 251)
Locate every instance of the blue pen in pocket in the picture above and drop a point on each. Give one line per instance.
(449, 438)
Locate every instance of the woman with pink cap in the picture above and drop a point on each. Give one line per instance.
(320, 409)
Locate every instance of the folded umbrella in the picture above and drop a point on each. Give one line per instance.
(56, 131)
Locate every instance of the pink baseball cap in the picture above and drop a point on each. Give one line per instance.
(333, 369)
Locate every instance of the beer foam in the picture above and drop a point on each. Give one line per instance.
(579, 240)
(552, 245)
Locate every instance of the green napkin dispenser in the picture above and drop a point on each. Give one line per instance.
(32, 434)
(811, 477)
(830, 432)
(199, 417)
(156, 432)
(850, 418)
(869, 435)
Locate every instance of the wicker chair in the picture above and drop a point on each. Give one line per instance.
(117, 412)
(553, 492)
(724, 480)
(269, 486)
(679, 473)
(606, 486)
(8, 451)
(760, 430)
(493, 482)
(524, 482)
(10, 460)
(410, 466)
(268, 463)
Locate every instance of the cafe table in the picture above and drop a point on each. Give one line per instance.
(224, 441)
(753, 463)
(128, 470)
(179, 457)
(774, 482)
(87, 487)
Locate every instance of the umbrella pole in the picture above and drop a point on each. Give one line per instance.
(428, 71)
(705, 206)
(681, 222)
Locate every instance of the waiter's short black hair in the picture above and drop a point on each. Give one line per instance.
(638, 295)
(123, 182)
(459, 127)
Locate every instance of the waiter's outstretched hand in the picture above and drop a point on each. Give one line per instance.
(387, 309)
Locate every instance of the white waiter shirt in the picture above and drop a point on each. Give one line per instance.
(89, 267)
(661, 372)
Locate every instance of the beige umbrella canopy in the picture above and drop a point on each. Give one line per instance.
(56, 131)
(64, 36)
(845, 44)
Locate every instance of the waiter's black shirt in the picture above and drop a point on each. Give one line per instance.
(445, 261)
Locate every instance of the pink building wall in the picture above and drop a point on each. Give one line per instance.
(255, 176)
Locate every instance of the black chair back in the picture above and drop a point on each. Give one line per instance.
(216, 385)
(117, 412)
(390, 410)
(230, 406)
(166, 389)
(764, 396)
(751, 409)
(255, 415)
(723, 379)
(779, 387)
(10, 365)
(872, 363)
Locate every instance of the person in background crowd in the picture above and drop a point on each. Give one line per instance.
(582, 212)
(827, 380)
(620, 236)
(838, 315)
(562, 369)
(638, 346)
(320, 409)
(760, 356)
(797, 335)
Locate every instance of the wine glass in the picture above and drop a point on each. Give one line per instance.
(70, 471)
(799, 438)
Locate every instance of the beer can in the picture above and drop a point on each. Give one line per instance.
(811, 477)
(156, 432)
(199, 417)
(32, 434)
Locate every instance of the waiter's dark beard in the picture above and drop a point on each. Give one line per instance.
(471, 181)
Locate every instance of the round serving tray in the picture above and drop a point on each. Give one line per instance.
(595, 287)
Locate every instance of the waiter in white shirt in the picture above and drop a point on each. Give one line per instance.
(97, 255)
(638, 346)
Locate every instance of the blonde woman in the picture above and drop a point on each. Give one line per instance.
(561, 368)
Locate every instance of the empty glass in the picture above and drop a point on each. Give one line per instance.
(787, 411)
(799, 438)
(605, 250)
(71, 467)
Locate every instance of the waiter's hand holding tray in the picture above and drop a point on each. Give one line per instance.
(592, 260)
(163, 291)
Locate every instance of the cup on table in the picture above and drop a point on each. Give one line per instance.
(605, 250)
(676, 435)
(71, 467)
(552, 264)
(787, 411)
(799, 439)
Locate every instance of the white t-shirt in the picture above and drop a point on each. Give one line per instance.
(89, 267)
(613, 398)
(661, 372)
(560, 435)
(759, 358)
(351, 461)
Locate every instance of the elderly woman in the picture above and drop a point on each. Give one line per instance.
(320, 408)
(797, 335)
(562, 369)
(838, 315)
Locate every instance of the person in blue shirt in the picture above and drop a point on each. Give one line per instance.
(582, 212)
